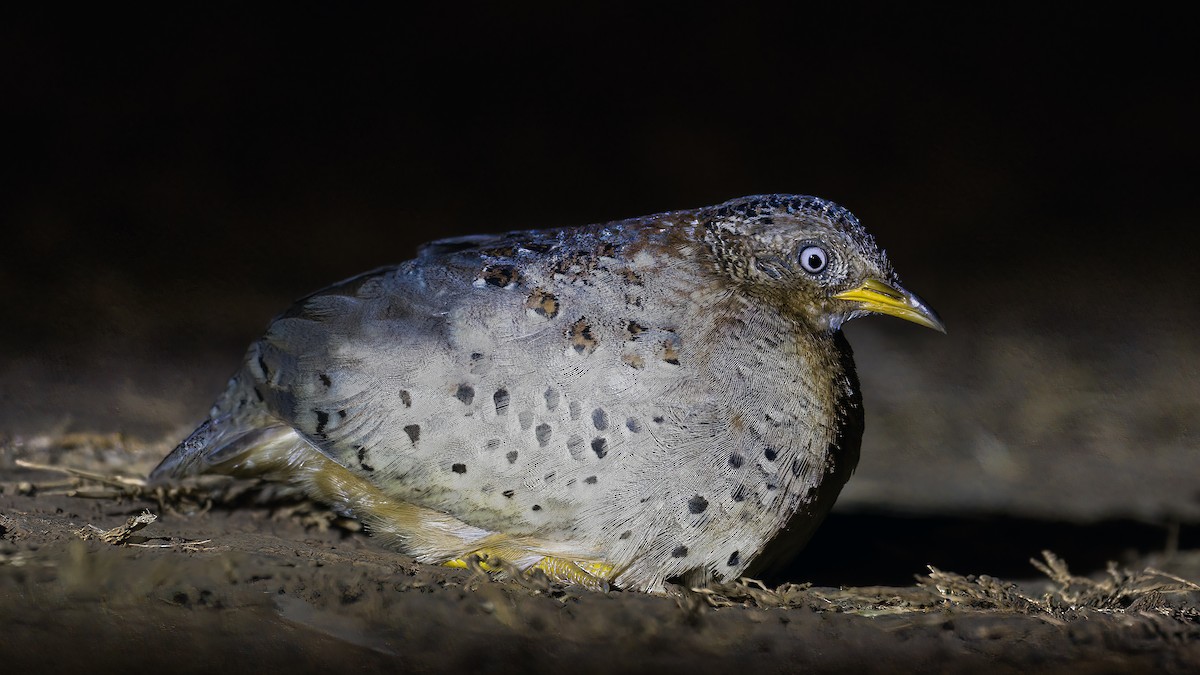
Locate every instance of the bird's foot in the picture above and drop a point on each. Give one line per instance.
(594, 576)
(485, 560)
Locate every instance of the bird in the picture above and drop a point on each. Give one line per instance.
(662, 399)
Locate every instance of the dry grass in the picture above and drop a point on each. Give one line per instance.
(1072, 597)
(1149, 594)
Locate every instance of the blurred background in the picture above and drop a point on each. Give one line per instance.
(169, 184)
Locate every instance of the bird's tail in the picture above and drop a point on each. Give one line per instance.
(226, 445)
(272, 450)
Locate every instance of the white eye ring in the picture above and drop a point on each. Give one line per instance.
(813, 259)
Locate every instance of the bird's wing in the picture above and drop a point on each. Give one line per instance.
(418, 377)
(498, 382)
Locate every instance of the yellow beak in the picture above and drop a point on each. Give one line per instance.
(877, 296)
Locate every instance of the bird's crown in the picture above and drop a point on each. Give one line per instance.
(762, 238)
(809, 255)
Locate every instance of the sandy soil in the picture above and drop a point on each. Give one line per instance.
(229, 576)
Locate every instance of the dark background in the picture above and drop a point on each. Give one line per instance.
(164, 158)
(170, 183)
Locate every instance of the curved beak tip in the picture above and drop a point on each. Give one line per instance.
(935, 322)
(884, 298)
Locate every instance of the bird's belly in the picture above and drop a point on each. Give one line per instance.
(656, 474)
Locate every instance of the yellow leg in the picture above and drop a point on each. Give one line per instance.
(591, 575)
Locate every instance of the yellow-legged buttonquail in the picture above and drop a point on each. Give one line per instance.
(621, 403)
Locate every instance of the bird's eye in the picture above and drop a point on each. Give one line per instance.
(813, 259)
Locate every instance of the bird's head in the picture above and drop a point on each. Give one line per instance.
(809, 256)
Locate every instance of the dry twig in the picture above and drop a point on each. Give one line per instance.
(118, 535)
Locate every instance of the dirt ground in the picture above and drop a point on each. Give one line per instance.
(225, 575)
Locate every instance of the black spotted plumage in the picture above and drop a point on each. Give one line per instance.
(625, 403)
